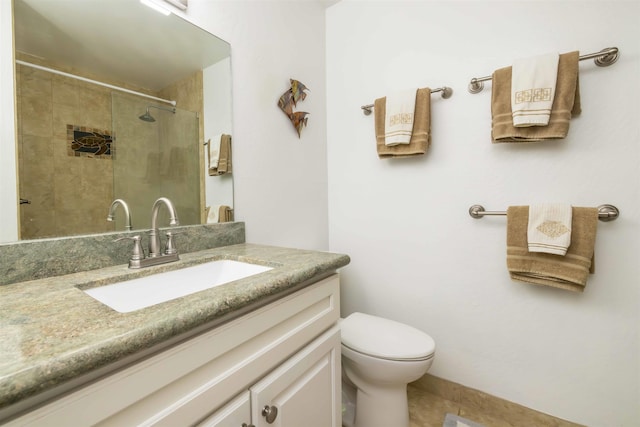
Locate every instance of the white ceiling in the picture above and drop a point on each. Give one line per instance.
(328, 3)
(118, 40)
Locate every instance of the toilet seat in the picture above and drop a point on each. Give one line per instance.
(385, 339)
(390, 359)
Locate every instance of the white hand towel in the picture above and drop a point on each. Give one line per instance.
(533, 87)
(214, 151)
(398, 122)
(549, 228)
(213, 215)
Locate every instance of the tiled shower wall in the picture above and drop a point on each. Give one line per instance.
(69, 194)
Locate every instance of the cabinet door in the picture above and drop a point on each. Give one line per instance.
(236, 413)
(303, 391)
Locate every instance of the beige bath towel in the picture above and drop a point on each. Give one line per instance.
(566, 104)
(420, 136)
(568, 272)
(225, 214)
(223, 164)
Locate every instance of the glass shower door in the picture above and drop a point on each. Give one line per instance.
(156, 154)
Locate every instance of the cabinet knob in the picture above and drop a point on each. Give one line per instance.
(270, 413)
(247, 425)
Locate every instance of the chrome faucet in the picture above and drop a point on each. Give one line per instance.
(155, 257)
(125, 207)
(154, 239)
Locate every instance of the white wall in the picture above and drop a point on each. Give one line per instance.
(280, 181)
(418, 257)
(218, 119)
(8, 188)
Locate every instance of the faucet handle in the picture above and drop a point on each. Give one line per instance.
(170, 247)
(138, 252)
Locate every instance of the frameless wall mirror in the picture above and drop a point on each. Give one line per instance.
(116, 101)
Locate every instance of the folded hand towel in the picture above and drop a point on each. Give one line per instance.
(569, 272)
(213, 152)
(225, 213)
(219, 213)
(223, 164)
(212, 214)
(399, 114)
(565, 104)
(533, 87)
(549, 228)
(420, 136)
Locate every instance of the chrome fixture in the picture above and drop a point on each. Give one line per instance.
(446, 94)
(270, 413)
(604, 58)
(138, 253)
(154, 239)
(127, 214)
(170, 253)
(606, 213)
(147, 117)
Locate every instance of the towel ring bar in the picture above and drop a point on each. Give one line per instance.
(604, 58)
(605, 212)
(446, 94)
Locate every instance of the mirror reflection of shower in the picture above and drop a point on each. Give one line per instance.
(147, 117)
(155, 158)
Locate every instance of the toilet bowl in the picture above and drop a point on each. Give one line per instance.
(379, 358)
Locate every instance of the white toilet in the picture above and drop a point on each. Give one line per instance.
(379, 358)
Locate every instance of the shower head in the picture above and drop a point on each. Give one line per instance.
(147, 117)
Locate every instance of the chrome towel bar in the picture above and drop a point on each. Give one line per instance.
(604, 58)
(446, 94)
(605, 212)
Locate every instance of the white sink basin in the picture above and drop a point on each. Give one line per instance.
(135, 294)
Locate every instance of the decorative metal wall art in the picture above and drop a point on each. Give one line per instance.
(290, 99)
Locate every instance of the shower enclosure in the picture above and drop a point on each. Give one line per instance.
(155, 154)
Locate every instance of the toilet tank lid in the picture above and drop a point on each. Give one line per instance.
(385, 338)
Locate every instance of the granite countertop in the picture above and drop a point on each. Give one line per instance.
(51, 332)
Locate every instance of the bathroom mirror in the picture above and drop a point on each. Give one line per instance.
(81, 144)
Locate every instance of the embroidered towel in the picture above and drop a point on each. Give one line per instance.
(399, 117)
(212, 214)
(566, 104)
(421, 135)
(549, 228)
(533, 87)
(569, 272)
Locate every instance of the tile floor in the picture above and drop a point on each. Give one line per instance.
(431, 398)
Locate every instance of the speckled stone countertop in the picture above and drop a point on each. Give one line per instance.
(51, 332)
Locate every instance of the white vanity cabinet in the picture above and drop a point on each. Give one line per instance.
(284, 357)
(300, 392)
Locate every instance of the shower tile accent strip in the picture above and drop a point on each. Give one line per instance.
(83, 141)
